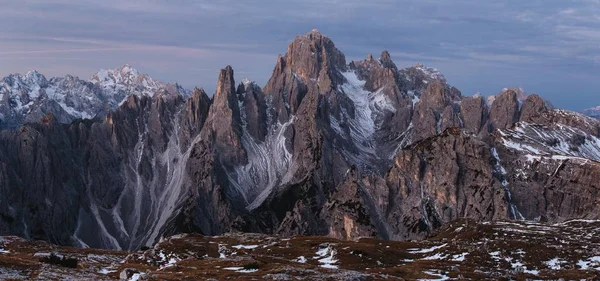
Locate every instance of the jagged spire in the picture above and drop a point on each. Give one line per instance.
(386, 60)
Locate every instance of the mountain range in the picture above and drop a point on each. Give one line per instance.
(29, 97)
(326, 147)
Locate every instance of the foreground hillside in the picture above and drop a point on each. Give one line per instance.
(465, 250)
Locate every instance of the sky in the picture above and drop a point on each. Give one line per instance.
(548, 47)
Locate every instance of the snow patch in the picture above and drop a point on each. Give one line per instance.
(426, 250)
(326, 257)
(592, 262)
(221, 251)
(440, 276)
(240, 269)
(437, 256)
(429, 72)
(136, 276)
(247, 247)
(460, 257)
(106, 271)
(555, 263)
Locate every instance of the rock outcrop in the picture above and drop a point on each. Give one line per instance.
(504, 111)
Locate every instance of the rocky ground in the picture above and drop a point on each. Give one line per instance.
(464, 250)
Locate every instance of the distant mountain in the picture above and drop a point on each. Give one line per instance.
(326, 147)
(29, 97)
(593, 112)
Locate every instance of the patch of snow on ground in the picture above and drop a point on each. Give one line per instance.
(593, 262)
(2, 251)
(440, 276)
(162, 256)
(427, 250)
(519, 266)
(247, 270)
(555, 263)
(300, 259)
(222, 249)
(326, 257)
(460, 257)
(247, 247)
(240, 269)
(437, 256)
(172, 262)
(495, 255)
(106, 271)
(531, 271)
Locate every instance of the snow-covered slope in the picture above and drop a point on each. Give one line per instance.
(27, 98)
(555, 140)
(360, 127)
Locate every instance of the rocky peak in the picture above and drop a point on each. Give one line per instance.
(386, 60)
(31, 79)
(377, 73)
(436, 110)
(310, 54)
(195, 114)
(521, 95)
(253, 109)
(34, 77)
(505, 110)
(439, 95)
(474, 113)
(225, 87)
(415, 79)
(533, 106)
(119, 74)
(126, 78)
(223, 124)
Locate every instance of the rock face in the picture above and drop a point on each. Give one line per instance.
(533, 107)
(325, 148)
(474, 113)
(504, 111)
(439, 180)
